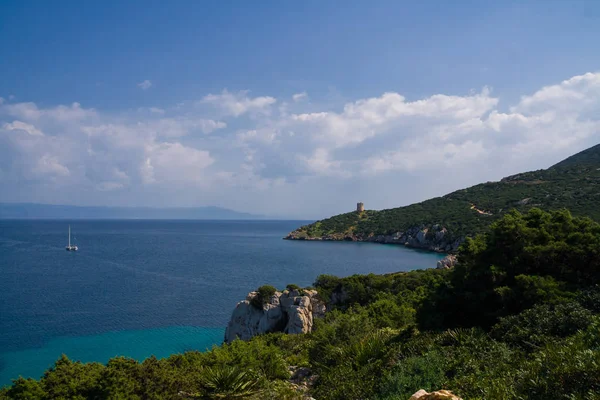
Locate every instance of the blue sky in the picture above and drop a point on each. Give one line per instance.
(296, 109)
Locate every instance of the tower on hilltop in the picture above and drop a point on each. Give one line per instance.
(360, 207)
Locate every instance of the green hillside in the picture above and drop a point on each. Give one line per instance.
(573, 183)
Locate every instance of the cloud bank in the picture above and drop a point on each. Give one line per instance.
(260, 153)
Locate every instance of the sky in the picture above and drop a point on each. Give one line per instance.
(289, 109)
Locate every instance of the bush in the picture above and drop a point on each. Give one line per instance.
(590, 298)
(524, 260)
(72, 380)
(25, 389)
(386, 313)
(263, 296)
(227, 382)
(326, 284)
(562, 370)
(414, 373)
(542, 324)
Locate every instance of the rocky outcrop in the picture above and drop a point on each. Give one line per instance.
(429, 237)
(447, 262)
(439, 395)
(290, 311)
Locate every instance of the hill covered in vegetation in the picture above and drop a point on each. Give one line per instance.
(573, 184)
(517, 318)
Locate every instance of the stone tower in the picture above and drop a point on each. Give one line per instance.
(360, 207)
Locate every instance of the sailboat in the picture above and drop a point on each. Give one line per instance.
(69, 246)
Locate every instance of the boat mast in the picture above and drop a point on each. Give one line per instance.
(69, 235)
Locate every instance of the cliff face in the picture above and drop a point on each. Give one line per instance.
(432, 237)
(290, 311)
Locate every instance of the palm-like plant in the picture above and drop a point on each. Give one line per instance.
(224, 382)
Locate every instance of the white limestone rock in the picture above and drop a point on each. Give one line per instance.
(288, 311)
(447, 262)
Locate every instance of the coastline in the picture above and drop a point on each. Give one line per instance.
(432, 239)
(360, 240)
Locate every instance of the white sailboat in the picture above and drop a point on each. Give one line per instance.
(69, 247)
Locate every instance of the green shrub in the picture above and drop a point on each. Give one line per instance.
(414, 373)
(228, 382)
(387, 313)
(25, 389)
(326, 284)
(566, 369)
(542, 324)
(590, 298)
(524, 259)
(258, 354)
(264, 294)
(72, 380)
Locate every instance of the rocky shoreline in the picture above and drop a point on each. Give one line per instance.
(432, 238)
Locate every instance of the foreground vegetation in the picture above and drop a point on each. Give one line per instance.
(573, 184)
(518, 318)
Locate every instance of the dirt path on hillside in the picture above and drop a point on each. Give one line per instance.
(480, 211)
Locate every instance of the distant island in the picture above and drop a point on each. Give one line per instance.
(442, 223)
(48, 211)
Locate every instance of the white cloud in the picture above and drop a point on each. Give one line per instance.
(22, 126)
(285, 152)
(173, 162)
(413, 157)
(49, 165)
(320, 163)
(99, 151)
(182, 126)
(300, 96)
(393, 105)
(157, 110)
(145, 85)
(364, 119)
(264, 135)
(209, 125)
(118, 180)
(574, 94)
(31, 112)
(239, 103)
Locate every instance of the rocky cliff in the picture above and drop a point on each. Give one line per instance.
(430, 237)
(447, 262)
(290, 311)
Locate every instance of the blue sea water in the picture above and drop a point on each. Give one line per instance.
(141, 288)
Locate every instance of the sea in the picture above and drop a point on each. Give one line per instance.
(138, 288)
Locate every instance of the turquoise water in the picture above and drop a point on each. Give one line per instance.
(137, 288)
(137, 344)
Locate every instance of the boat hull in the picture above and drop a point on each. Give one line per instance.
(71, 248)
